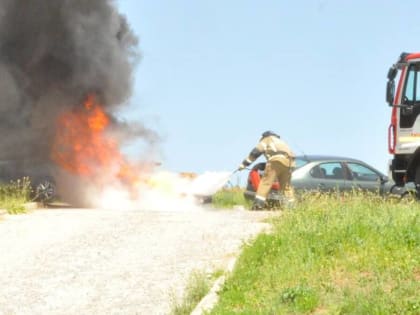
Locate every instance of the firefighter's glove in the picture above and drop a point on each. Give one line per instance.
(241, 167)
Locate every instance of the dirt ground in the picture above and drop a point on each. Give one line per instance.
(78, 261)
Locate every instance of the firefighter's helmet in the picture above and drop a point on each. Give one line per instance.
(269, 133)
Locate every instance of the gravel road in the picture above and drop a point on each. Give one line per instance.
(78, 261)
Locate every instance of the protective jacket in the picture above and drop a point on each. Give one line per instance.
(274, 149)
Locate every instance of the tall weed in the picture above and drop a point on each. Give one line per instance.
(197, 287)
(14, 195)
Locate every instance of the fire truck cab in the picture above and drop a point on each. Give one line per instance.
(404, 130)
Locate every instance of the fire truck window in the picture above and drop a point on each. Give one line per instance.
(412, 86)
(411, 96)
(409, 87)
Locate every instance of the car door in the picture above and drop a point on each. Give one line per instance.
(328, 176)
(363, 177)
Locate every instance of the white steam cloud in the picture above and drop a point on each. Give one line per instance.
(164, 191)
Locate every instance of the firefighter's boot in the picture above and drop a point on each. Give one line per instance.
(259, 204)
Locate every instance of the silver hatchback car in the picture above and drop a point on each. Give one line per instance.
(323, 173)
(327, 173)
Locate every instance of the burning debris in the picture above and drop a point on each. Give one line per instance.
(65, 70)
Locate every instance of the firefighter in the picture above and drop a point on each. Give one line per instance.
(280, 162)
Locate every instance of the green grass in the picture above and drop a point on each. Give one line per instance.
(198, 286)
(14, 195)
(229, 197)
(353, 254)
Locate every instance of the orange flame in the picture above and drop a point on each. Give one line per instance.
(83, 147)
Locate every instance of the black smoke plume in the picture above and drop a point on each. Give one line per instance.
(53, 53)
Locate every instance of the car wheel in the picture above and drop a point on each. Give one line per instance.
(45, 190)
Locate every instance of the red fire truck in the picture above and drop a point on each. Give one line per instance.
(404, 130)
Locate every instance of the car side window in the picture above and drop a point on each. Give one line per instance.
(331, 170)
(317, 172)
(363, 173)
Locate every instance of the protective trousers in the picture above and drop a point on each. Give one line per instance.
(275, 170)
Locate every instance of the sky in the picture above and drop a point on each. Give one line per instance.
(214, 75)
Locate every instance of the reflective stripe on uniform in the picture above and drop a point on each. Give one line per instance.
(260, 198)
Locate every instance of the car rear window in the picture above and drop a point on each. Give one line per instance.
(300, 162)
